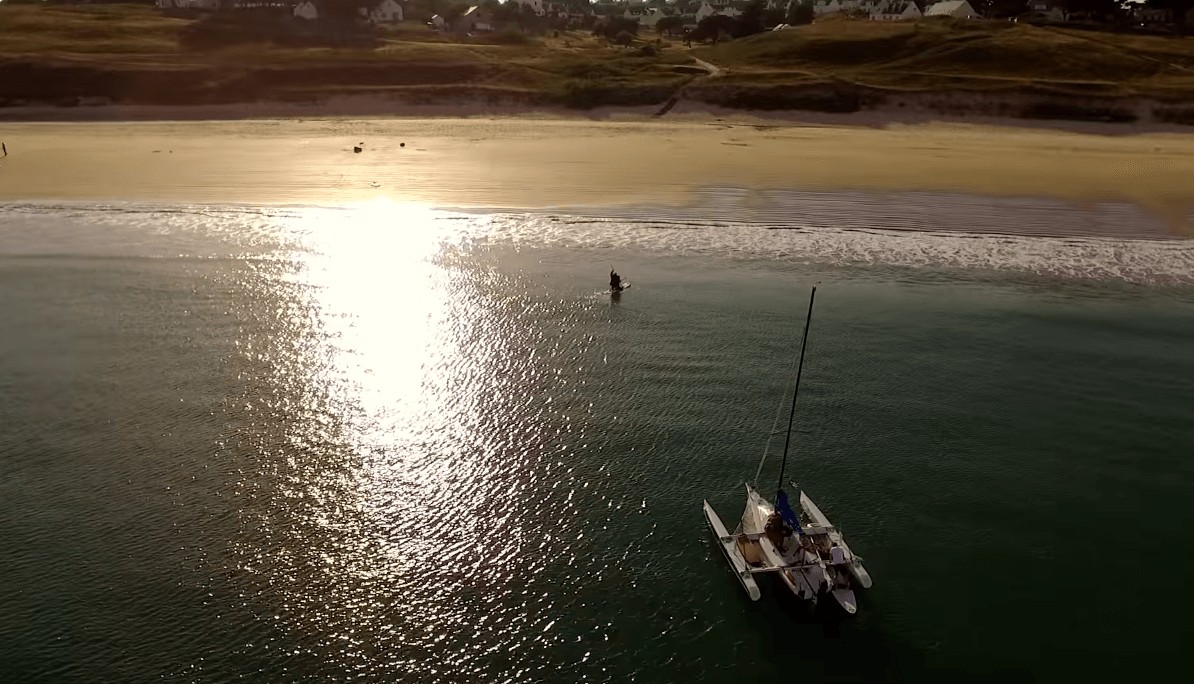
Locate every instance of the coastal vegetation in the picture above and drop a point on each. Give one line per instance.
(136, 54)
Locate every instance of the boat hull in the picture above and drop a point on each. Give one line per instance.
(804, 582)
(733, 556)
(846, 600)
(853, 565)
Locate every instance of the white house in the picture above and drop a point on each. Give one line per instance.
(1152, 15)
(830, 7)
(706, 10)
(896, 11)
(1046, 9)
(646, 17)
(385, 12)
(205, 5)
(535, 6)
(958, 9)
(306, 10)
(437, 22)
(475, 19)
(866, 6)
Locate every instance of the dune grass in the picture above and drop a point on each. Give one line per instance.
(87, 29)
(943, 54)
(126, 43)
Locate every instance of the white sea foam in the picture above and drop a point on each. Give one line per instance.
(910, 230)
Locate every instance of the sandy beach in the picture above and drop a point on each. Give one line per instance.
(541, 162)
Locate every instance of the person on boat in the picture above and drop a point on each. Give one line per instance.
(777, 531)
(836, 556)
(615, 280)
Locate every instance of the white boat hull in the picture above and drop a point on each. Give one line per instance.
(853, 565)
(805, 582)
(729, 547)
(846, 600)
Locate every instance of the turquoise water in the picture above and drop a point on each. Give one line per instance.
(401, 445)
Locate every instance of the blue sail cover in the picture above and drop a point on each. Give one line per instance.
(786, 512)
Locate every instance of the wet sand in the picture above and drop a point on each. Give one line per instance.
(543, 162)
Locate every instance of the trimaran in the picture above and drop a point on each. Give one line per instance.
(807, 552)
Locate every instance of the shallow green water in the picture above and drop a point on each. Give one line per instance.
(303, 455)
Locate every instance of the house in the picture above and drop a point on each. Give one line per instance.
(867, 7)
(199, 5)
(475, 19)
(1153, 16)
(822, 7)
(605, 9)
(958, 9)
(384, 12)
(704, 12)
(535, 6)
(898, 10)
(1046, 9)
(306, 10)
(646, 17)
(259, 7)
(437, 22)
(707, 10)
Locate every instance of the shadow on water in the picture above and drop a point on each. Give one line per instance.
(823, 643)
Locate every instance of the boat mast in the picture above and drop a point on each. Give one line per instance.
(792, 414)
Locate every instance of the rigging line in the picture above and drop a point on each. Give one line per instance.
(795, 392)
(771, 435)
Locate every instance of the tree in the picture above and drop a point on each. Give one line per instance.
(1100, 10)
(670, 25)
(610, 27)
(800, 13)
(1180, 9)
(624, 38)
(751, 20)
(772, 18)
(1000, 9)
(711, 28)
(341, 10)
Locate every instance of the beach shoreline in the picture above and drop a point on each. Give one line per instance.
(906, 109)
(628, 158)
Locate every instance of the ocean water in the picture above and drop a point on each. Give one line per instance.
(390, 443)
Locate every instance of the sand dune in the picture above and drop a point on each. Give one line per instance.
(542, 162)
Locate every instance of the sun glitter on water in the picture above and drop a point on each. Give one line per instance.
(408, 459)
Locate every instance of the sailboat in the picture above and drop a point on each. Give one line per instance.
(808, 553)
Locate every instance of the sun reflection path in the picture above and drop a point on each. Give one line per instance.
(404, 448)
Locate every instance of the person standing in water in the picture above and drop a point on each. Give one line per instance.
(615, 281)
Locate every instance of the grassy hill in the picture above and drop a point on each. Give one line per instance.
(133, 54)
(71, 55)
(977, 55)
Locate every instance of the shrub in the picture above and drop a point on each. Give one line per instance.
(511, 37)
